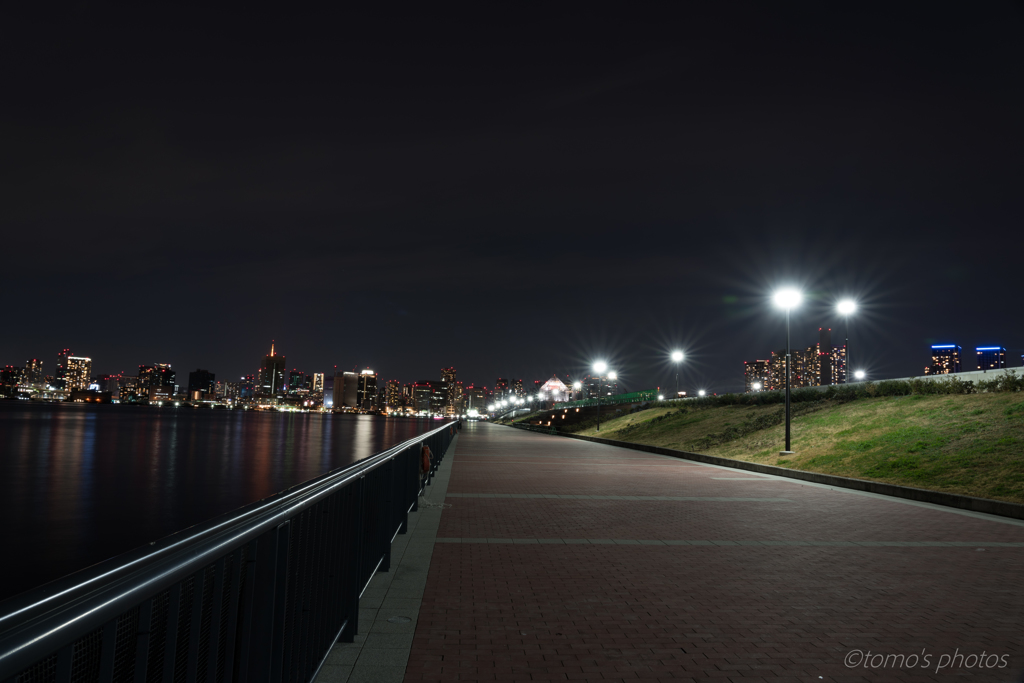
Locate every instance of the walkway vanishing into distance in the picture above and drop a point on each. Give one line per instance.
(561, 559)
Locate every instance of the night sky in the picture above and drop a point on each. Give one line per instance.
(515, 194)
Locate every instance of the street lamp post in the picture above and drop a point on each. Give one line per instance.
(846, 307)
(600, 367)
(788, 299)
(677, 356)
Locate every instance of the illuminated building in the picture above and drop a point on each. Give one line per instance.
(803, 368)
(77, 373)
(517, 388)
(350, 392)
(60, 374)
(317, 386)
(477, 398)
(334, 394)
(247, 386)
(271, 376)
(367, 390)
(106, 383)
(945, 360)
(555, 389)
(500, 389)
(393, 395)
(756, 372)
(449, 388)
(34, 371)
(422, 396)
(10, 377)
(991, 357)
(200, 382)
(296, 381)
(156, 375)
(595, 387)
(128, 390)
(227, 390)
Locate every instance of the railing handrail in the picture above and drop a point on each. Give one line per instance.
(107, 587)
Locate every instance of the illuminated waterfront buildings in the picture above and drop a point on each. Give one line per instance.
(366, 392)
(78, 372)
(501, 390)
(200, 384)
(271, 374)
(33, 371)
(756, 372)
(945, 360)
(991, 357)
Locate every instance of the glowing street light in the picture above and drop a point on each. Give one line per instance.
(756, 386)
(846, 308)
(613, 375)
(859, 375)
(702, 393)
(661, 397)
(600, 367)
(677, 358)
(788, 299)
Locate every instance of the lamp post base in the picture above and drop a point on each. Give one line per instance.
(787, 452)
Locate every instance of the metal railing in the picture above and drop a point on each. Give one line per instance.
(260, 594)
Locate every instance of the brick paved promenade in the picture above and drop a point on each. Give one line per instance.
(567, 560)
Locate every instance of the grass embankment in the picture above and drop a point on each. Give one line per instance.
(970, 444)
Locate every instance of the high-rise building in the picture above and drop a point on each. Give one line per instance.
(945, 360)
(12, 375)
(77, 373)
(366, 392)
(991, 357)
(33, 371)
(296, 381)
(227, 390)
(801, 371)
(477, 398)
(317, 385)
(334, 391)
(247, 386)
(422, 395)
(756, 372)
(156, 375)
(823, 359)
(517, 388)
(595, 387)
(393, 395)
(200, 382)
(271, 377)
(448, 384)
(106, 383)
(501, 389)
(130, 391)
(60, 374)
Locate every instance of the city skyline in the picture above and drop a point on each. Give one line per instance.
(430, 207)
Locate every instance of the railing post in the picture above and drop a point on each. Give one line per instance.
(386, 509)
(356, 561)
(266, 621)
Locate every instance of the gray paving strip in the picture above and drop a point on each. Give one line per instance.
(556, 496)
(649, 541)
(390, 605)
(739, 478)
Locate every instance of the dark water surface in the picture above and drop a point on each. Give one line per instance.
(80, 484)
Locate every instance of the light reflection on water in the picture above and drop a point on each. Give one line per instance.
(79, 484)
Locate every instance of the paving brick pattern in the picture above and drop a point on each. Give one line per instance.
(744, 579)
